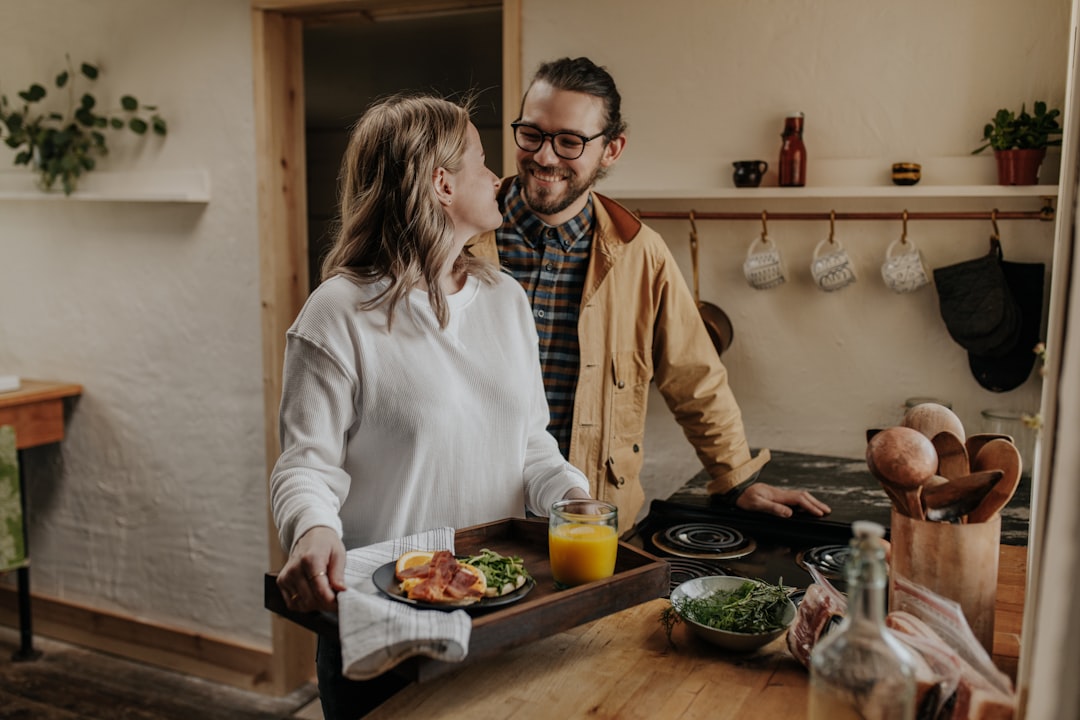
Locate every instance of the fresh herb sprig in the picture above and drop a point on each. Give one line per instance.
(503, 574)
(751, 608)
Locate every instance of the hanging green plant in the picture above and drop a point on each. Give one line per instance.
(62, 146)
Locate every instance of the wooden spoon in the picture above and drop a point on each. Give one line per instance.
(952, 455)
(1001, 455)
(932, 418)
(975, 443)
(905, 459)
(952, 500)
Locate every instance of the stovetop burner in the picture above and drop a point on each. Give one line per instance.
(705, 541)
(683, 569)
(828, 559)
(744, 544)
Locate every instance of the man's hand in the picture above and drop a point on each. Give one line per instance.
(314, 572)
(760, 497)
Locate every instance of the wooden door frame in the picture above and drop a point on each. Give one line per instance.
(277, 40)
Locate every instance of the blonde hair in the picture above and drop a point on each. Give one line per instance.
(391, 224)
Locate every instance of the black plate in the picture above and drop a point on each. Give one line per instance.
(386, 581)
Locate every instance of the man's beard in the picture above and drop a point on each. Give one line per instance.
(545, 202)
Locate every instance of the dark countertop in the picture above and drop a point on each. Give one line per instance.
(848, 488)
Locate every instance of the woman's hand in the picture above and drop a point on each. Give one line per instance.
(576, 493)
(314, 572)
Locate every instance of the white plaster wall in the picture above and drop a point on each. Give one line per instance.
(155, 504)
(705, 83)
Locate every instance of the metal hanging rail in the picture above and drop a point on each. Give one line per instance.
(1045, 214)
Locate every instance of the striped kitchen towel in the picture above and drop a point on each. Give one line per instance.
(378, 633)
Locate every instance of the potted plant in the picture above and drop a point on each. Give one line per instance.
(63, 146)
(1019, 142)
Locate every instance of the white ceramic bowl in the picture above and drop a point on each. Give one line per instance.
(741, 642)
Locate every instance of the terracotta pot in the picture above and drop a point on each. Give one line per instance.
(1019, 167)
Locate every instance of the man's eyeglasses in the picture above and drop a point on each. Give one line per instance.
(567, 145)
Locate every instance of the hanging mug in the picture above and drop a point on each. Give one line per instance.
(904, 272)
(832, 270)
(763, 267)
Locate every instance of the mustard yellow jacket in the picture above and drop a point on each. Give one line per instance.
(639, 323)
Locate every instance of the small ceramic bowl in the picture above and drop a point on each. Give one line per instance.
(739, 642)
(906, 173)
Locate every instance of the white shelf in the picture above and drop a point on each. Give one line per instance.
(167, 186)
(851, 178)
(826, 191)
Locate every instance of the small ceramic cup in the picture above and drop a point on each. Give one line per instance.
(903, 270)
(831, 267)
(906, 173)
(763, 267)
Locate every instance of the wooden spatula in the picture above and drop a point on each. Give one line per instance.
(975, 443)
(1001, 455)
(952, 500)
(952, 455)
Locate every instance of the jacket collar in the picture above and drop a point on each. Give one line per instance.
(615, 227)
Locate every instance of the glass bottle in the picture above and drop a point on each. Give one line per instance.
(793, 153)
(861, 669)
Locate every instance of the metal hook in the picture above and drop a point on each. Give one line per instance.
(903, 234)
(764, 225)
(993, 221)
(832, 226)
(694, 255)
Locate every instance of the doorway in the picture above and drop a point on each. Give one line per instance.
(350, 63)
(278, 29)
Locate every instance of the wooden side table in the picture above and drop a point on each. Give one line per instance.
(36, 410)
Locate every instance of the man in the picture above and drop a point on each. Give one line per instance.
(612, 309)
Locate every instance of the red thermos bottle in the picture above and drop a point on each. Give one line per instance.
(793, 153)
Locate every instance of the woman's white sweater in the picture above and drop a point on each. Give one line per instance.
(389, 432)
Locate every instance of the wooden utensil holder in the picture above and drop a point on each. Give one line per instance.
(959, 562)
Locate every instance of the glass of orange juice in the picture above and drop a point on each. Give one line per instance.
(582, 541)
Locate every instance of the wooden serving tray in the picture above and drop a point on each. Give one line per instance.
(639, 577)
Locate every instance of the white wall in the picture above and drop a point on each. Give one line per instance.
(705, 83)
(154, 505)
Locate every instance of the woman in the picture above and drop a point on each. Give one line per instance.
(412, 395)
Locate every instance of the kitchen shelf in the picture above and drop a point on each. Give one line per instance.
(163, 186)
(832, 192)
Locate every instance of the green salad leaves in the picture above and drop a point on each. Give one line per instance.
(753, 607)
(503, 574)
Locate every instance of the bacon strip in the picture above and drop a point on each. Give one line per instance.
(445, 581)
(461, 586)
(415, 571)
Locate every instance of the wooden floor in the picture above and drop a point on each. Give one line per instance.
(69, 682)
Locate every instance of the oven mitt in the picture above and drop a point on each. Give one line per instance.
(977, 305)
(1010, 370)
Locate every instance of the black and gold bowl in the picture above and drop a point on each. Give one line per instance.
(906, 173)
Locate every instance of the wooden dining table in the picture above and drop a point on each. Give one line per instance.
(623, 666)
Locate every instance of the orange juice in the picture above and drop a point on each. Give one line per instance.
(581, 552)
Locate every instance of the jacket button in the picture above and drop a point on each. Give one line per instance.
(622, 384)
(621, 482)
(636, 448)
